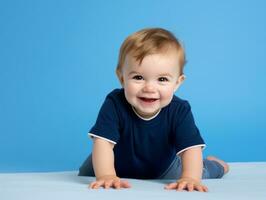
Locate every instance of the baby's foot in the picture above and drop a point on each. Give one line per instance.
(224, 164)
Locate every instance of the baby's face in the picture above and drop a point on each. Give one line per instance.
(150, 86)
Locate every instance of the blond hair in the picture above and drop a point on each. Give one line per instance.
(146, 42)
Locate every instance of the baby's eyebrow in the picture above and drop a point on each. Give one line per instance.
(166, 74)
(133, 72)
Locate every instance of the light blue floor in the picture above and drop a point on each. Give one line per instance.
(244, 181)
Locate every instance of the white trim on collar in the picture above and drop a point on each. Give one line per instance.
(146, 119)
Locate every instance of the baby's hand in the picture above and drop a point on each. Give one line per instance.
(187, 183)
(109, 181)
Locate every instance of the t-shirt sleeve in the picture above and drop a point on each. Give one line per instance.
(186, 134)
(107, 123)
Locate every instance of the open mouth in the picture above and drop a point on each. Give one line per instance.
(148, 100)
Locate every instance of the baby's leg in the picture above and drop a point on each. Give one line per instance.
(86, 168)
(224, 164)
(174, 170)
(212, 168)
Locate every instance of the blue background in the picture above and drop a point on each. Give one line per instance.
(58, 59)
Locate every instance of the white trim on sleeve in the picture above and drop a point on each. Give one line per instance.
(198, 145)
(93, 135)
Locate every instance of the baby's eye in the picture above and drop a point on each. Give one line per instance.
(163, 79)
(137, 77)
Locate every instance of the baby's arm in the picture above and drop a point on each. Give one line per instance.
(103, 165)
(192, 165)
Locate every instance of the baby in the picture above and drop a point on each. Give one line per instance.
(143, 130)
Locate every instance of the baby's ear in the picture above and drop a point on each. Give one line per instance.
(120, 78)
(179, 81)
(181, 78)
(121, 81)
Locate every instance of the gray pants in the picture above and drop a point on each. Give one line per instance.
(211, 169)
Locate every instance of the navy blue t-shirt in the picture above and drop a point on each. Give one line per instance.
(145, 149)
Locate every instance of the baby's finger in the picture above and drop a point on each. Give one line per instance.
(125, 184)
(116, 184)
(205, 189)
(108, 184)
(190, 187)
(171, 186)
(97, 185)
(91, 185)
(199, 188)
(181, 186)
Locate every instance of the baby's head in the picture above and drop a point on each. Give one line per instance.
(150, 69)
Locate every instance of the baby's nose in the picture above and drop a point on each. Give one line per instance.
(149, 87)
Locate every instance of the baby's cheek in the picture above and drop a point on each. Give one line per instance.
(167, 96)
(130, 93)
(130, 90)
(168, 91)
